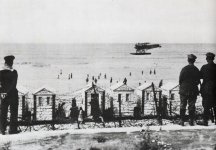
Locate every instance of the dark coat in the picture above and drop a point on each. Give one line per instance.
(188, 80)
(208, 74)
(8, 82)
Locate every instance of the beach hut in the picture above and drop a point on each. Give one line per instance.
(170, 91)
(92, 99)
(44, 103)
(123, 99)
(23, 102)
(147, 98)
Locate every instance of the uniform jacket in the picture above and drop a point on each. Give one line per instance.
(208, 74)
(188, 80)
(8, 82)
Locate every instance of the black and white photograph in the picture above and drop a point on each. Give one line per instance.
(107, 75)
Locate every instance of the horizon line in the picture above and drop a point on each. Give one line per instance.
(59, 43)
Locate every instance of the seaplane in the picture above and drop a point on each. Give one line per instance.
(142, 48)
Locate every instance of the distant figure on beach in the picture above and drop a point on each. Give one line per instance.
(130, 73)
(208, 88)
(139, 84)
(92, 77)
(150, 72)
(95, 81)
(80, 117)
(160, 83)
(111, 80)
(142, 72)
(189, 80)
(125, 81)
(68, 77)
(105, 76)
(154, 71)
(61, 72)
(71, 76)
(8, 96)
(87, 80)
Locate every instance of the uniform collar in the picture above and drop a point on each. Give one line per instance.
(6, 67)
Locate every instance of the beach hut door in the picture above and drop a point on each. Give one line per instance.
(95, 110)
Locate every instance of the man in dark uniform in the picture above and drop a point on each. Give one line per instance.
(208, 88)
(9, 96)
(188, 80)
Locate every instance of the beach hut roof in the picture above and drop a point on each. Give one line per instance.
(21, 89)
(115, 86)
(44, 90)
(121, 87)
(144, 86)
(169, 86)
(90, 88)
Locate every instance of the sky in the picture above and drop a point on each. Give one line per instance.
(107, 21)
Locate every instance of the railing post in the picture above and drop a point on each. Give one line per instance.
(53, 112)
(103, 102)
(23, 107)
(35, 107)
(156, 105)
(86, 103)
(170, 104)
(120, 115)
(143, 101)
(53, 107)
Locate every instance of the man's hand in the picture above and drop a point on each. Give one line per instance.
(3, 95)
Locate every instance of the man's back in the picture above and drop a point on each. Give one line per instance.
(208, 72)
(8, 80)
(189, 79)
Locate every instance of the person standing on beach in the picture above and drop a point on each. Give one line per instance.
(125, 81)
(80, 117)
(9, 96)
(95, 81)
(208, 88)
(87, 80)
(189, 80)
(110, 80)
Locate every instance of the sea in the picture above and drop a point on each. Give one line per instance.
(65, 67)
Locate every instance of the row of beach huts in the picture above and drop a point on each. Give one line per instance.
(43, 102)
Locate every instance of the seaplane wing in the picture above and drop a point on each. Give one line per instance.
(146, 46)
